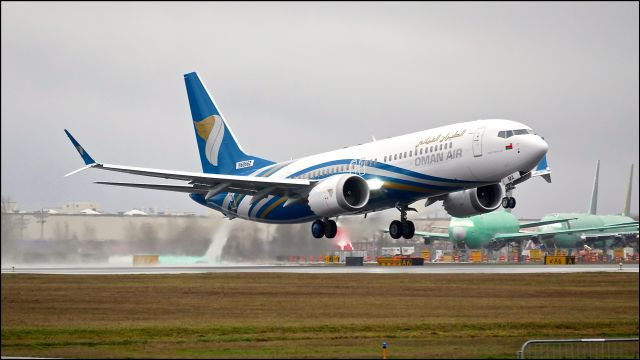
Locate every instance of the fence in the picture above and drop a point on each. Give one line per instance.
(625, 348)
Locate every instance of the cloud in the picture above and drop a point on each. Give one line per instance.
(327, 74)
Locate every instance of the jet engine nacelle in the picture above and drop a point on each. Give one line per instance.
(339, 194)
(476, 201)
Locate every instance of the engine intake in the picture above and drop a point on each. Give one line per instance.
(339, 194)
(475, 201)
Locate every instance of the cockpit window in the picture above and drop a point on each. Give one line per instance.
(522, 132)
(509, 133)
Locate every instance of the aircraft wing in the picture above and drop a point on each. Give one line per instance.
(443, 236)
(440, 227)
(538, 234)
(623, 238)
(630, 223)
(540, 223)
(208, 184)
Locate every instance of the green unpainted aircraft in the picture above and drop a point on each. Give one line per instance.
(499, 228)
(616, 237)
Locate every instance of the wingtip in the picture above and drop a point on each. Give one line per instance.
(88, 160)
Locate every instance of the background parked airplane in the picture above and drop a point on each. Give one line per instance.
(617, 236)
(497, 229)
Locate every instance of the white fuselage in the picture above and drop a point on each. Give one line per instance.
(411, 167)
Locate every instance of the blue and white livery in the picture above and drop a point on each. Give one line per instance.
(462, 164)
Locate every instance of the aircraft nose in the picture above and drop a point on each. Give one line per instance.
(533, 149)
(459, 233)
(539, 147)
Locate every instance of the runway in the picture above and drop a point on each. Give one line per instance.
(330, 269)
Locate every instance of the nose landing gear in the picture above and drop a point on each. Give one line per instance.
(325, 227)
(403, 228)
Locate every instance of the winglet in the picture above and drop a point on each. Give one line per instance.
(88, 160)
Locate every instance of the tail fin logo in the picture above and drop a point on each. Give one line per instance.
(211, 130)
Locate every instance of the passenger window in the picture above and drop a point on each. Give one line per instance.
(405, 154)
(395, 156)
(440, 147)
(385, 158)
(431, 150)
(410, 153)
(420, 151)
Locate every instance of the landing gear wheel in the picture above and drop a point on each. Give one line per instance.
(512, 202)
(408, 229)
(395, 229)
(330, 229)
(505, 202)
(317, 229)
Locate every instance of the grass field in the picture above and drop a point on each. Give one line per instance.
(309, 315)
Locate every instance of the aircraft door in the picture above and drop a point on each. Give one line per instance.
(477, 141)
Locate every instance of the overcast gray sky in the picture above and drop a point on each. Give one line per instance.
(295, 79)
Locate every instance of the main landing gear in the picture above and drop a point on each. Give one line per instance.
(403, 228)
(509, 202)
(325, 227)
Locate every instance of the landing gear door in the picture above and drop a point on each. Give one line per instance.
(477, 141)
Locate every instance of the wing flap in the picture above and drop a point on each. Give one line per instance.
(178, 188)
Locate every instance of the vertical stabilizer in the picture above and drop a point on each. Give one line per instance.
(220, 152)
(627, 200)
(593, 204)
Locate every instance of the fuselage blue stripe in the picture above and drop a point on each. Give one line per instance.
(381, 166)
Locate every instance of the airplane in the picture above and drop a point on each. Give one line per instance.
(618, 236)
(499, 228)
(464, 165)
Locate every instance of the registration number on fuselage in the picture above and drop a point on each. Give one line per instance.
(244, 164)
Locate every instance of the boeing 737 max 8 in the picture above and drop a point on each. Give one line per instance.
(462, 164)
